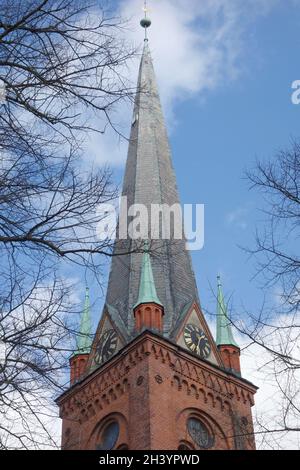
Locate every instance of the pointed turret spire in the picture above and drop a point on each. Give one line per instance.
(147, 290)
(148, 310)
(84, 337)
(224, 331)
(79, 359)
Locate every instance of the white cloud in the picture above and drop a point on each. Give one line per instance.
(237, 218)
(274, 379)
(196, 47)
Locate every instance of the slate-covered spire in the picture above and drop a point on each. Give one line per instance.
(147, 290)
(224, 331)
(84, 338)
(150, 179)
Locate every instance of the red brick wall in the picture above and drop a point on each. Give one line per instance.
(77, 367)
(151, 389)
(231, 357)
(149, 316)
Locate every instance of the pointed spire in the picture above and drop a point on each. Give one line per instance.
(84, 338)
(224, 332)
(150, 179)
(147, 290)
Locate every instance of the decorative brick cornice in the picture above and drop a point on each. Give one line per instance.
(109, 382)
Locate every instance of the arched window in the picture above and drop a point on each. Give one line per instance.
(111, 432)
(200, 434)
(108, 436)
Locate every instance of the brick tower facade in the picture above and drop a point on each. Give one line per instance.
(154, 378)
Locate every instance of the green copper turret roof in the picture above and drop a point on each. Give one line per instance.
(147, 290)
(84, 337)
(224, 332)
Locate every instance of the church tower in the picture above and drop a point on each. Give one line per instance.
(154, 378)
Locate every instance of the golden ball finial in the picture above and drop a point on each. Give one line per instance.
(145, 22)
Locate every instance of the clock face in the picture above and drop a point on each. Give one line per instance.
(106, 347)
(196, 341)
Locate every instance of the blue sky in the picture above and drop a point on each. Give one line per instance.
(225, 70)
(248, 118)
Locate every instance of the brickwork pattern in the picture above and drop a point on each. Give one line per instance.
(151, 389)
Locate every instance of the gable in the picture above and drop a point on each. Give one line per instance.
(195, 336)
(107, 342)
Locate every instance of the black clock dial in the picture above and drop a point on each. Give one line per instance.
(196, 341)
(106, 347)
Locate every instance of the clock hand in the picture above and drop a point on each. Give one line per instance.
(106, 345)
(198, 347)
(99, 350)
(101, 347)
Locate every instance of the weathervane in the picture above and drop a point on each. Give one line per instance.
(145, 22)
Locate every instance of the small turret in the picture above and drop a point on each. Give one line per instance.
(229, 349)
(148, 310)
(79, 359)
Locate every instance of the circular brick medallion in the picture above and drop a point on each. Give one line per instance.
(140, 380)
